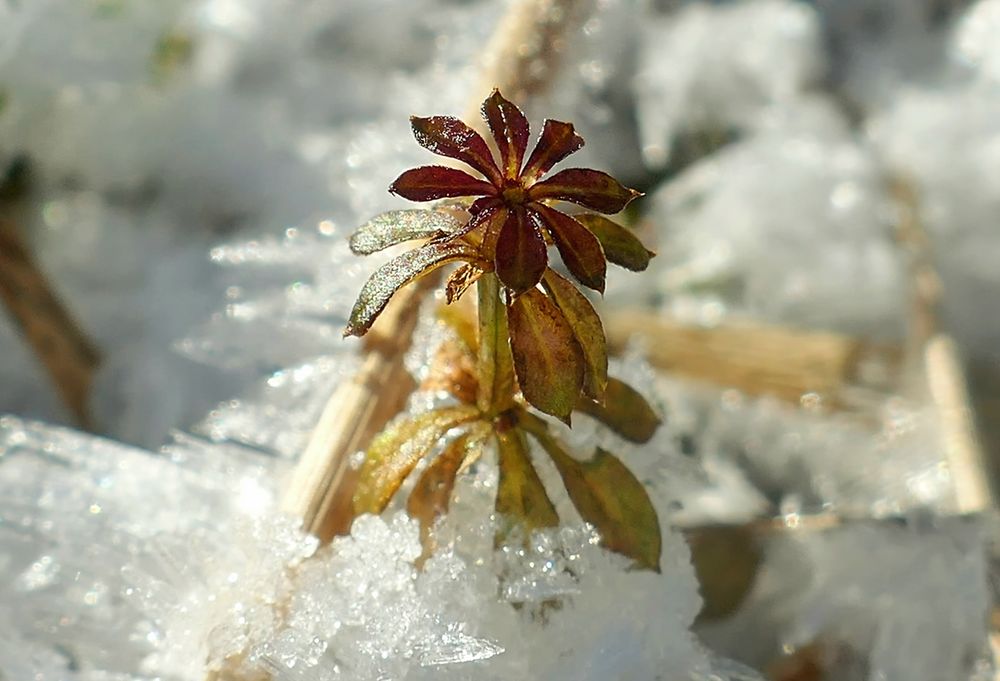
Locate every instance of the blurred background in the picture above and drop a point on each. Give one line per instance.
(178, 179)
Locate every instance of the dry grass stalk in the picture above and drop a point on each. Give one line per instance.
(756, 359)
(67, 354)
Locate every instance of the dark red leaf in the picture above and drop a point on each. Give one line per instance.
(557, 141)
(587, 328)
(591, 188)
(510, 131)
(483, 204)
(620, 246)
(428, 183)
(521, 255)
(478, 220)
(548, 360)
(448, 136)
(396, 273)
(579, 248)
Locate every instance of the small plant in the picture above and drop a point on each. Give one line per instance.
(538, 341)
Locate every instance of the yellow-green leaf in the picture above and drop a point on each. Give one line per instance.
(548, 360)
(624, 411)
(431, 495)
(394, 452)
(521, 498)
(587, 328)
(608, 497)
(396, 226)
(620, 245)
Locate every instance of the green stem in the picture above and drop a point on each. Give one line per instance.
(495, 364)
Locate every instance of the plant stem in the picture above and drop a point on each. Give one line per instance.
(495, 364)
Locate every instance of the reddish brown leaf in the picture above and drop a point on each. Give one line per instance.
(484, 203)
(510, 131)
(397, 226)
(448, 136)
(478, 220)
(620, 246)
(396, 273)
(431, 495)
(548, 360)
(624, 411)
(557, 141)
(608, 497)
(396, 450)
(428, 183)
(521, 497)
(460, 280)
(521, 256)
(591, 188)
(586, 327)
(579, 248)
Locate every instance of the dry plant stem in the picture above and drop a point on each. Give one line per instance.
(937, 353)
(527, 48)
(322, 483)
(46, 325)
(756, 359)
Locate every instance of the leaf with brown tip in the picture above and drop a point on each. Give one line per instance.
(521, 497)
(620, 245)
(608, 497)
(586, 327)
(395, 274)
(548, 360)
(579, 248)
(590, 188)
(460, 281)
(397, 226)
(431, 495)
(624, 411)
(396, 450)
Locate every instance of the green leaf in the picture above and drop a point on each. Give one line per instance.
(521, 497)
(608, 497)
(395, 274)
(548, 360)
(620, 246)
(396, 450)
(586, 327)
(624, 411)
(397, 226)
(579, 248)
(431, 495)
